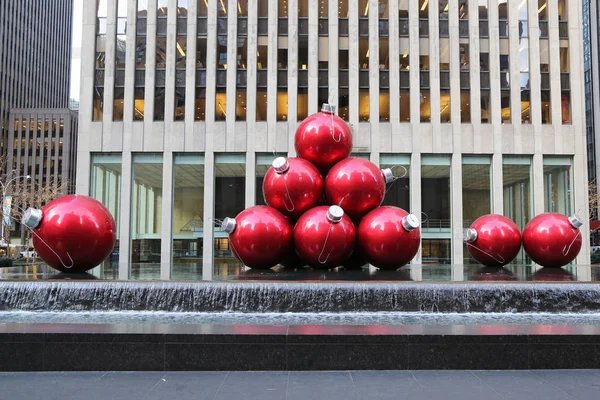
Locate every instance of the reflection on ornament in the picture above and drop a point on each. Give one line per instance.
(389, 237)
(259, 236)
(292, 186)
(552, 239)
(73, 233)
(323, 138)
(325, 237)
(493, 240)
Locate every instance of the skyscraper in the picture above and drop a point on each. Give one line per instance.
(35, 55)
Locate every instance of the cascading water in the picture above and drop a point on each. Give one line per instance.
(261, 297)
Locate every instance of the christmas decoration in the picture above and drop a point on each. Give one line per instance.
(552, 239)
(73, 233)
(389, 237)
(493, 240)
(356, 185)
(323, 138)
(292, 186)
(258, 236)
(325, 237)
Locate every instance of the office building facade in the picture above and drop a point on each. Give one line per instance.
(184, 104)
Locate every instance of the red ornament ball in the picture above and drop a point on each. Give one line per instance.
(552, 239)
(389, 237)
(493, 240)
(356, 185)
(259, 236)
(324, 236)
(292, 186)
(323, 138)
(73, 233)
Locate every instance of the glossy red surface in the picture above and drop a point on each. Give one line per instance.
(324, 244)
(294, 191)
(261, 237)
(356, 185)
(551, 241)
(77, 228)
(323, 139)
(498, 240)
(383, 239)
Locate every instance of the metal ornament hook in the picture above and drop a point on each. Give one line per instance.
(500, 259)
(52, 250)
(324, 246)
(567, 249)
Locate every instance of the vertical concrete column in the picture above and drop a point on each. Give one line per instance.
(190, 74)
(415, 196)
(170, 73)
(272, 68)
(150, 71)
(166, 233)
(334, 63)
(374, 78)
(125, 215)
(497, 184)
(456, 222)
(580, 172)
(292, 73)
(434, 74)
(353, 65)
(394, 65)
(453, 28)
(595, 77)
(231, 88)
(209, 156)
(555, 92)
(515, 75)
(415, 121)
(109, 72)
(475, 78)
(251, 70)
(313, 56)
(129, 71)
(496, 107)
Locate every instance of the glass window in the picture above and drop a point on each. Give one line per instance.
(516, 175)
(424, 9)
(263, 163)
(476, 193)
(105, 186)
(435, 205)
(230, 190)
(146, 216)
(485, 106)
(220, 104)
(557, 185)
(445, 106)
(363, 105)
(543, 10)
(398, 192)
(188, 216)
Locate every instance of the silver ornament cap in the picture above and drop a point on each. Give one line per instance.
(575, 221)
(328, 108)
(32, 218)
(280, 165)
(470, 235)
(410, 222)
(388, 175)
(335, 214)
(228, 225)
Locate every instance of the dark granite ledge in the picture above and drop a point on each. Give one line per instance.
(72, 347)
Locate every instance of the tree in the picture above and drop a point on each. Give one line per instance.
(26, 192)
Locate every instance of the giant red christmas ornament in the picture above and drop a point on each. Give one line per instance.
(324, 236)
(292, 186)
(356, 185)
(72, 233)
(493, 240)
(552, 239)
(323, 138)
(259, 236)
(389, 237)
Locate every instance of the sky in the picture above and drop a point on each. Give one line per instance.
(76, 54)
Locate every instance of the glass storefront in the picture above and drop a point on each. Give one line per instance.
(146, 216)
(230, 191)
(105, 186)
(435, 206)
(476, 192)
(516, 177)
(398, 192)
(188, 216)
(557, 186)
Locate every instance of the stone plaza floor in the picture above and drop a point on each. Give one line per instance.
(372, 385)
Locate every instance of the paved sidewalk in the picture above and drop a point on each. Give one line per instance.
(371, 385)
